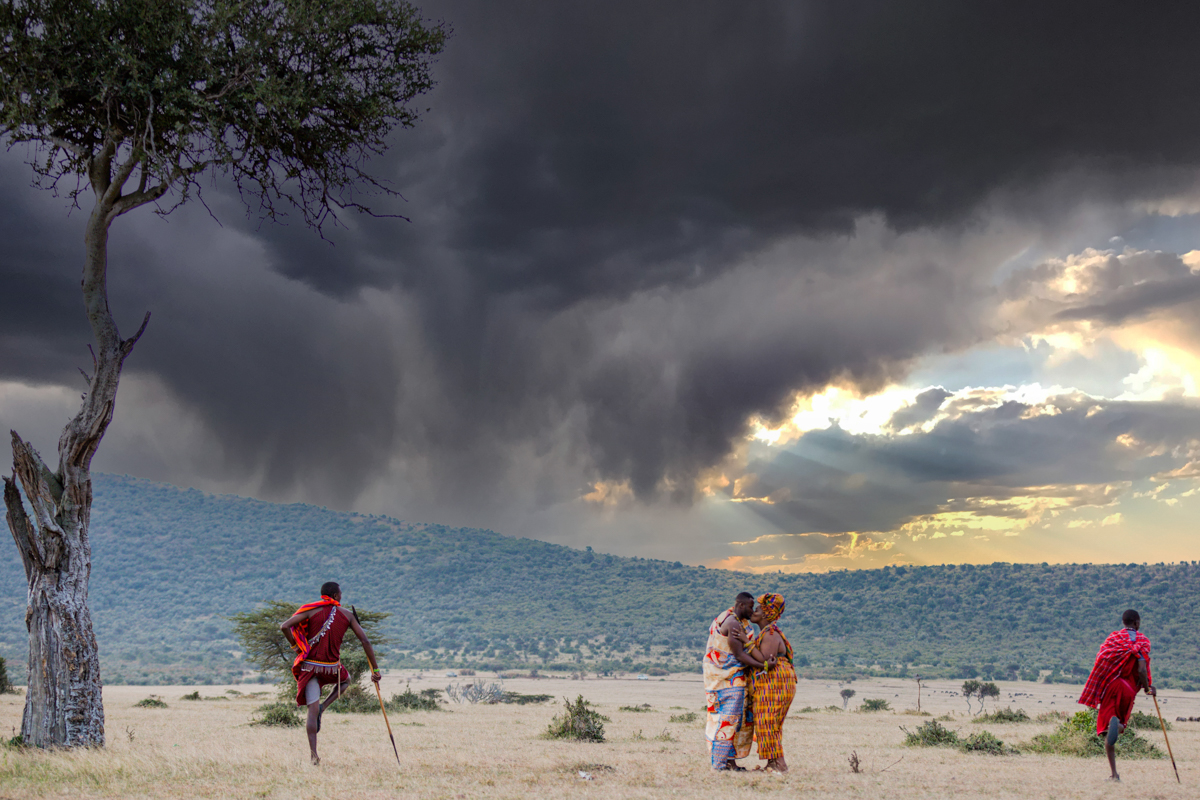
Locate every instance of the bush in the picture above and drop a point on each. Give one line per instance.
(690, 716)
(1052, 716)
(1146, 722)
(931, 734)
(193, 696)
(579, 721)
(874, 705)
(153, 701)
(516, 698)
(425, 700)
(986, 743)
(1004, 715)
(1076, 736)
(637, 709)
(278, 715)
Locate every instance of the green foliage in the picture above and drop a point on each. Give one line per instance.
(986, 743)
(151, 702)
(1077, 736)
(426, 700)
(1004, 715)
(930, 734)
(846, 694)
(690, 716)
(278, 715)
(287, 97)
(15, 742)
(875, 705)
(579, 721)
(516, 698)
(645, 707)
(193, 696)
(6, 686)
(1146, 722)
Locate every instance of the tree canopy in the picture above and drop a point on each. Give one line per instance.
(287, 97)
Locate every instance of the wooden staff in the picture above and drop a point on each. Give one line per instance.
(1165, 739)
(379, 694)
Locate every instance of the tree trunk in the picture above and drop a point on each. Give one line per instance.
(63, 705)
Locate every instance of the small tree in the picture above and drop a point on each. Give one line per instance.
(846, 695)
(136, 100)
(970, 689)
(985, 691)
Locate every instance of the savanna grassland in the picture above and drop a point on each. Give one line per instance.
(206, 748)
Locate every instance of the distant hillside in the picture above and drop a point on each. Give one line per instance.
(171, 564)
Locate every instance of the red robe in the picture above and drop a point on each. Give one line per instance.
(319, 645)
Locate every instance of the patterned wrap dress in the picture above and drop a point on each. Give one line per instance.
(773, 692)
(730, 724)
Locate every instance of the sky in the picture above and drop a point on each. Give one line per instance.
(770, 286)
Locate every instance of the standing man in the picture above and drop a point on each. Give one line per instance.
(730, 727)
(1122, 667)
(316, 632)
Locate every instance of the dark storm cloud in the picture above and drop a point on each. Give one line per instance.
(633, 226)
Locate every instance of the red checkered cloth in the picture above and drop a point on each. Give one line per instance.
(1117, 649)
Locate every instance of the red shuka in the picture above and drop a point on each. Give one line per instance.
(1117, 649)
(319, 645)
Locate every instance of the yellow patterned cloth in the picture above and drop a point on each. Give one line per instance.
(773, 692)
(730, 724)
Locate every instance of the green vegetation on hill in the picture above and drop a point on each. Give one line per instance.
(170, 566)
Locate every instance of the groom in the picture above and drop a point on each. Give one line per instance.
(730, 726)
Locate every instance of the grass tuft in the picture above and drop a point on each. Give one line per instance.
(874, 705)
(278, 715)
(690, 716)
(153, 701)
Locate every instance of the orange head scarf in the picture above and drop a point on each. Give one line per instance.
(770, 605)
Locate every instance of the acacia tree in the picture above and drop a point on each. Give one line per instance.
(136, 100)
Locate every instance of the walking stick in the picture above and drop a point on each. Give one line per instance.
(1165, 739)
(379, 694)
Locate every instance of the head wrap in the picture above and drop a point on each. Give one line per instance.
(770, 605)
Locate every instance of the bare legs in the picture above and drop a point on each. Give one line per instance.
(1110, 745)
(313, 724)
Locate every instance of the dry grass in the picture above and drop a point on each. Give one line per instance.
(495, 751)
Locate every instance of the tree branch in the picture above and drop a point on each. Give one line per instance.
(70, 146)
(127, 345)
(18, 523)
(100, 167)
(112, 194)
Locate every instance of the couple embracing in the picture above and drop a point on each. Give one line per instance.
(749, 682)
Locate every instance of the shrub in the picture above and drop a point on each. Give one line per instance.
(1076, 736)
(643, 708)
(516, 698)
(426, 700)
(153, 701)
(874, 705)
(1052, 716)
(931, 734)
(579, 721)
(986, 743)
(1146, 722)
(690, 716)
(1004, 715)
(278, 715)
(193, 696)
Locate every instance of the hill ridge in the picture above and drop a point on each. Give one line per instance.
(170, 565)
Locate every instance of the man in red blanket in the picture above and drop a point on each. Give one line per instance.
(1122, 667)
(316, 631)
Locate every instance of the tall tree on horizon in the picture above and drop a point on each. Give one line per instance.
(136, 100)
